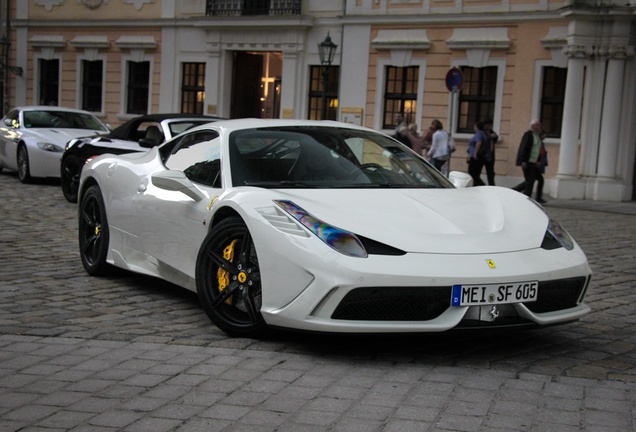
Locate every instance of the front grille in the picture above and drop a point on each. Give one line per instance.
(393, 304)
(557, 294)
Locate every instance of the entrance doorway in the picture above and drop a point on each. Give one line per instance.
(256, 84)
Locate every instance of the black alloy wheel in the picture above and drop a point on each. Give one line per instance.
(24, 171)
(228, 279)
(69, 178)
(93, 232)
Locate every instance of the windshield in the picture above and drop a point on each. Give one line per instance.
(62, 120)
(326, 157)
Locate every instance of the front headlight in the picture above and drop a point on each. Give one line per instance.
(556, 236)
(50, 147)
(342, 241)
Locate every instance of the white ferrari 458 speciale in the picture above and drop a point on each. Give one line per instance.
(326, 226)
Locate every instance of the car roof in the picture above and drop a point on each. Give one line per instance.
(50, 108)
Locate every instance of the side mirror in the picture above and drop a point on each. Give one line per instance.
(8, 122)
(460, 179)
(176, 181)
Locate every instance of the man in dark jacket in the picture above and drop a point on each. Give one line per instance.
(529, 158)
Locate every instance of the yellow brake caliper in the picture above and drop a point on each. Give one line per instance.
(222, 276)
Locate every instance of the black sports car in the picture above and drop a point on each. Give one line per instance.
(136, 135)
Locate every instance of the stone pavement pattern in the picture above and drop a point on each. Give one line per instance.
(131, 353)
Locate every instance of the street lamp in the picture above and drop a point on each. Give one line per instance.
(326, 51)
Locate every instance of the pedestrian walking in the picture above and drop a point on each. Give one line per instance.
(532, 157)
(439, 153)
(490, 161)
(478, 149)
(416, 139)
(427, 138)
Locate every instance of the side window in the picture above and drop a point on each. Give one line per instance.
(12, 119)
(198, 155)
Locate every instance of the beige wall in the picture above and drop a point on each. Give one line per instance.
(518, 91)
(114, 76)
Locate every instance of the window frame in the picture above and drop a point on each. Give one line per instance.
(397, 59)
(553, 101)
(314, 98)
(486, 103)
(92, 89)
(402, 97)
(44, 80)
(137, 89)
(500, 63)
(189, 89)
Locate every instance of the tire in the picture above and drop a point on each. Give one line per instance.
(69, 178)
(24, 170)
(228, 279)
(94, 235)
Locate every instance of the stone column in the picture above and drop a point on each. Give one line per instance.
(568, 185)
(610, 120)
(290, 78)
(213, 104)
(568, 151)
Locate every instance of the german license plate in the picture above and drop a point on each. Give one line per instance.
(477, 295)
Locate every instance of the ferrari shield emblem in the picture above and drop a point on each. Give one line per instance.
(491, 263)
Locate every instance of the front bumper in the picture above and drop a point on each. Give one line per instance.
(412, 293)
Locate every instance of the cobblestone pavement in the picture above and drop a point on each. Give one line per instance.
(130, 353)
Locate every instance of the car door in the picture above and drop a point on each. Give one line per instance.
(173, 225)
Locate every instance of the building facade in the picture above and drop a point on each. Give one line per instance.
(569, 63)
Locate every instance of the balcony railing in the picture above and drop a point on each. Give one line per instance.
(252, 7)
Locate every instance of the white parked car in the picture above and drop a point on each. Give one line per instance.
(326, 226)
(32, 138)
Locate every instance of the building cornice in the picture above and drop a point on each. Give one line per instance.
(47, 41)
(136, 42)
(303, 22)
(401, 39)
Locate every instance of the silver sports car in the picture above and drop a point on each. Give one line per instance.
(32, 138)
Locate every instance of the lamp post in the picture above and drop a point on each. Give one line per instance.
(326, 51)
